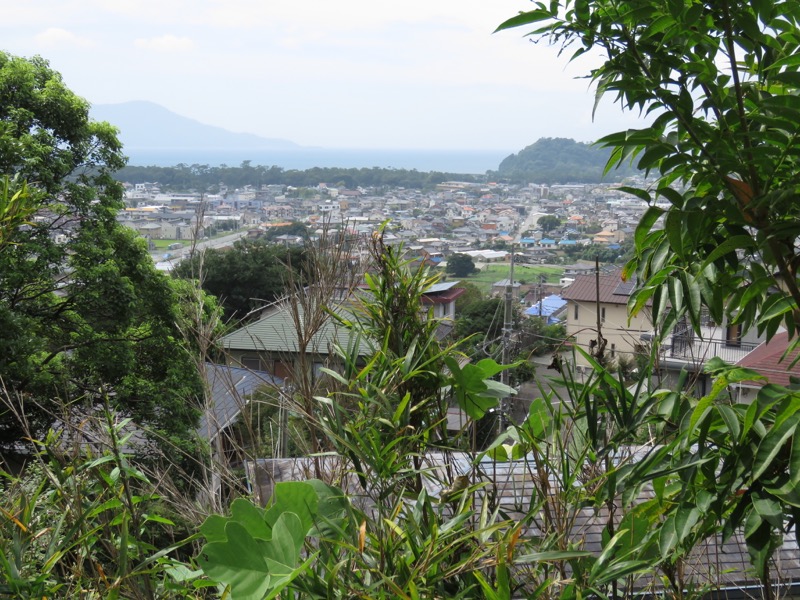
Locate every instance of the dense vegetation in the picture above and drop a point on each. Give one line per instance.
(560, 160)
(393, 503)
(205, 178)
(245, 277)
(86, 319)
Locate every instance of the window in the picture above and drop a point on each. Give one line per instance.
(576, 311)
(613, 349)
(733, 335)
(252, 362)
(603, 314)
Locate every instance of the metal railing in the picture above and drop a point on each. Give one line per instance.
(686, 346)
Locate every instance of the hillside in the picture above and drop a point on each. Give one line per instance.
(559, 160)
(149, 125)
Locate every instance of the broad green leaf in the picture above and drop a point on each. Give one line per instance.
(213, 528)
(332, 508)
(525, 18)
(538, 421)
(255, 568)
(772, 444)
(296, 497)
(646, 222)
(732, 244)
(685, 519)
(667, 537)
(251, 518)
(239, 562)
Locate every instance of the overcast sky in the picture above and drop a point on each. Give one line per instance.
(348, 74)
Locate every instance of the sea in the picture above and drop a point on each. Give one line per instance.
(468, 162)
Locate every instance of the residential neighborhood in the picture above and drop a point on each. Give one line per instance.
(493, 224)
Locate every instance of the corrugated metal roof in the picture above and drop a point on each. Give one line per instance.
(230, 389)
(440, 287)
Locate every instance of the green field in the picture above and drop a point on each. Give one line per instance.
(162, 244)
(526, 274)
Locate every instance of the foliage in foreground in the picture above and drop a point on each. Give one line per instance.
(82, 307)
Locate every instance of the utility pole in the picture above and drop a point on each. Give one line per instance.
(508, 327)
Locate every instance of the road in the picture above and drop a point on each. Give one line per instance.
(179, 255)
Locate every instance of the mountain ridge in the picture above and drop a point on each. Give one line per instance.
(147, 125)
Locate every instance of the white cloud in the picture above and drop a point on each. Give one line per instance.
(166, 43)
(56, 36)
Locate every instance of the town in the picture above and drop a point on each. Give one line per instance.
(377, 383)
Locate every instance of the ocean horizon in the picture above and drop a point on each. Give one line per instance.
(468, 162)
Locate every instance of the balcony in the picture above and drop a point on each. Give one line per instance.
(724, 343)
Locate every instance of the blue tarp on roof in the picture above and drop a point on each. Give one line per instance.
(549, 305)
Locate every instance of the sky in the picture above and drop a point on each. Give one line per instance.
(422, 74)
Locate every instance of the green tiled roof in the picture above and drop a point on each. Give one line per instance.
(275, 332)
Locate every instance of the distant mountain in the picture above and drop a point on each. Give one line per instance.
(145, 125)
(560, 160)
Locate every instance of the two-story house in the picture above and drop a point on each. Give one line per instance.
(585, 307)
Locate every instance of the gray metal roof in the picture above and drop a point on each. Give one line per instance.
(440, 287)
(229, 390)
(724, 564)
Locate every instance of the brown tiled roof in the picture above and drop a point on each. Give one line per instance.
(613, 290)
(766, 359)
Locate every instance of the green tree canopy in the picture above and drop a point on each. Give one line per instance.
(549, 223)
(245, 277)
(559, 160)
(83, 312)
(720, 83)
(461, 265)
(482, 316)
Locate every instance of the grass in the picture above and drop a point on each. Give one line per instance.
(528, 274)
(162, 244)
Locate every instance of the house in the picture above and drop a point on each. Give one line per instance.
(771, 361)
(549, 307)
(547, 243)
(272, 344)
(229, 391)
(441, 297)
(585, 308)
(685, 350)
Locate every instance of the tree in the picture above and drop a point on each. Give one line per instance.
(245, 277)
(472, 293)
(483, 316)
(84, 315)
(720, 83)
(294, 228)
(558, 160)
(549, 223)
(461, 265)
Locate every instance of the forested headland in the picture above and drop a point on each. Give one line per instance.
(547, 161)
(560, 160)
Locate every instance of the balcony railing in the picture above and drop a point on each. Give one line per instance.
(686, 346)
